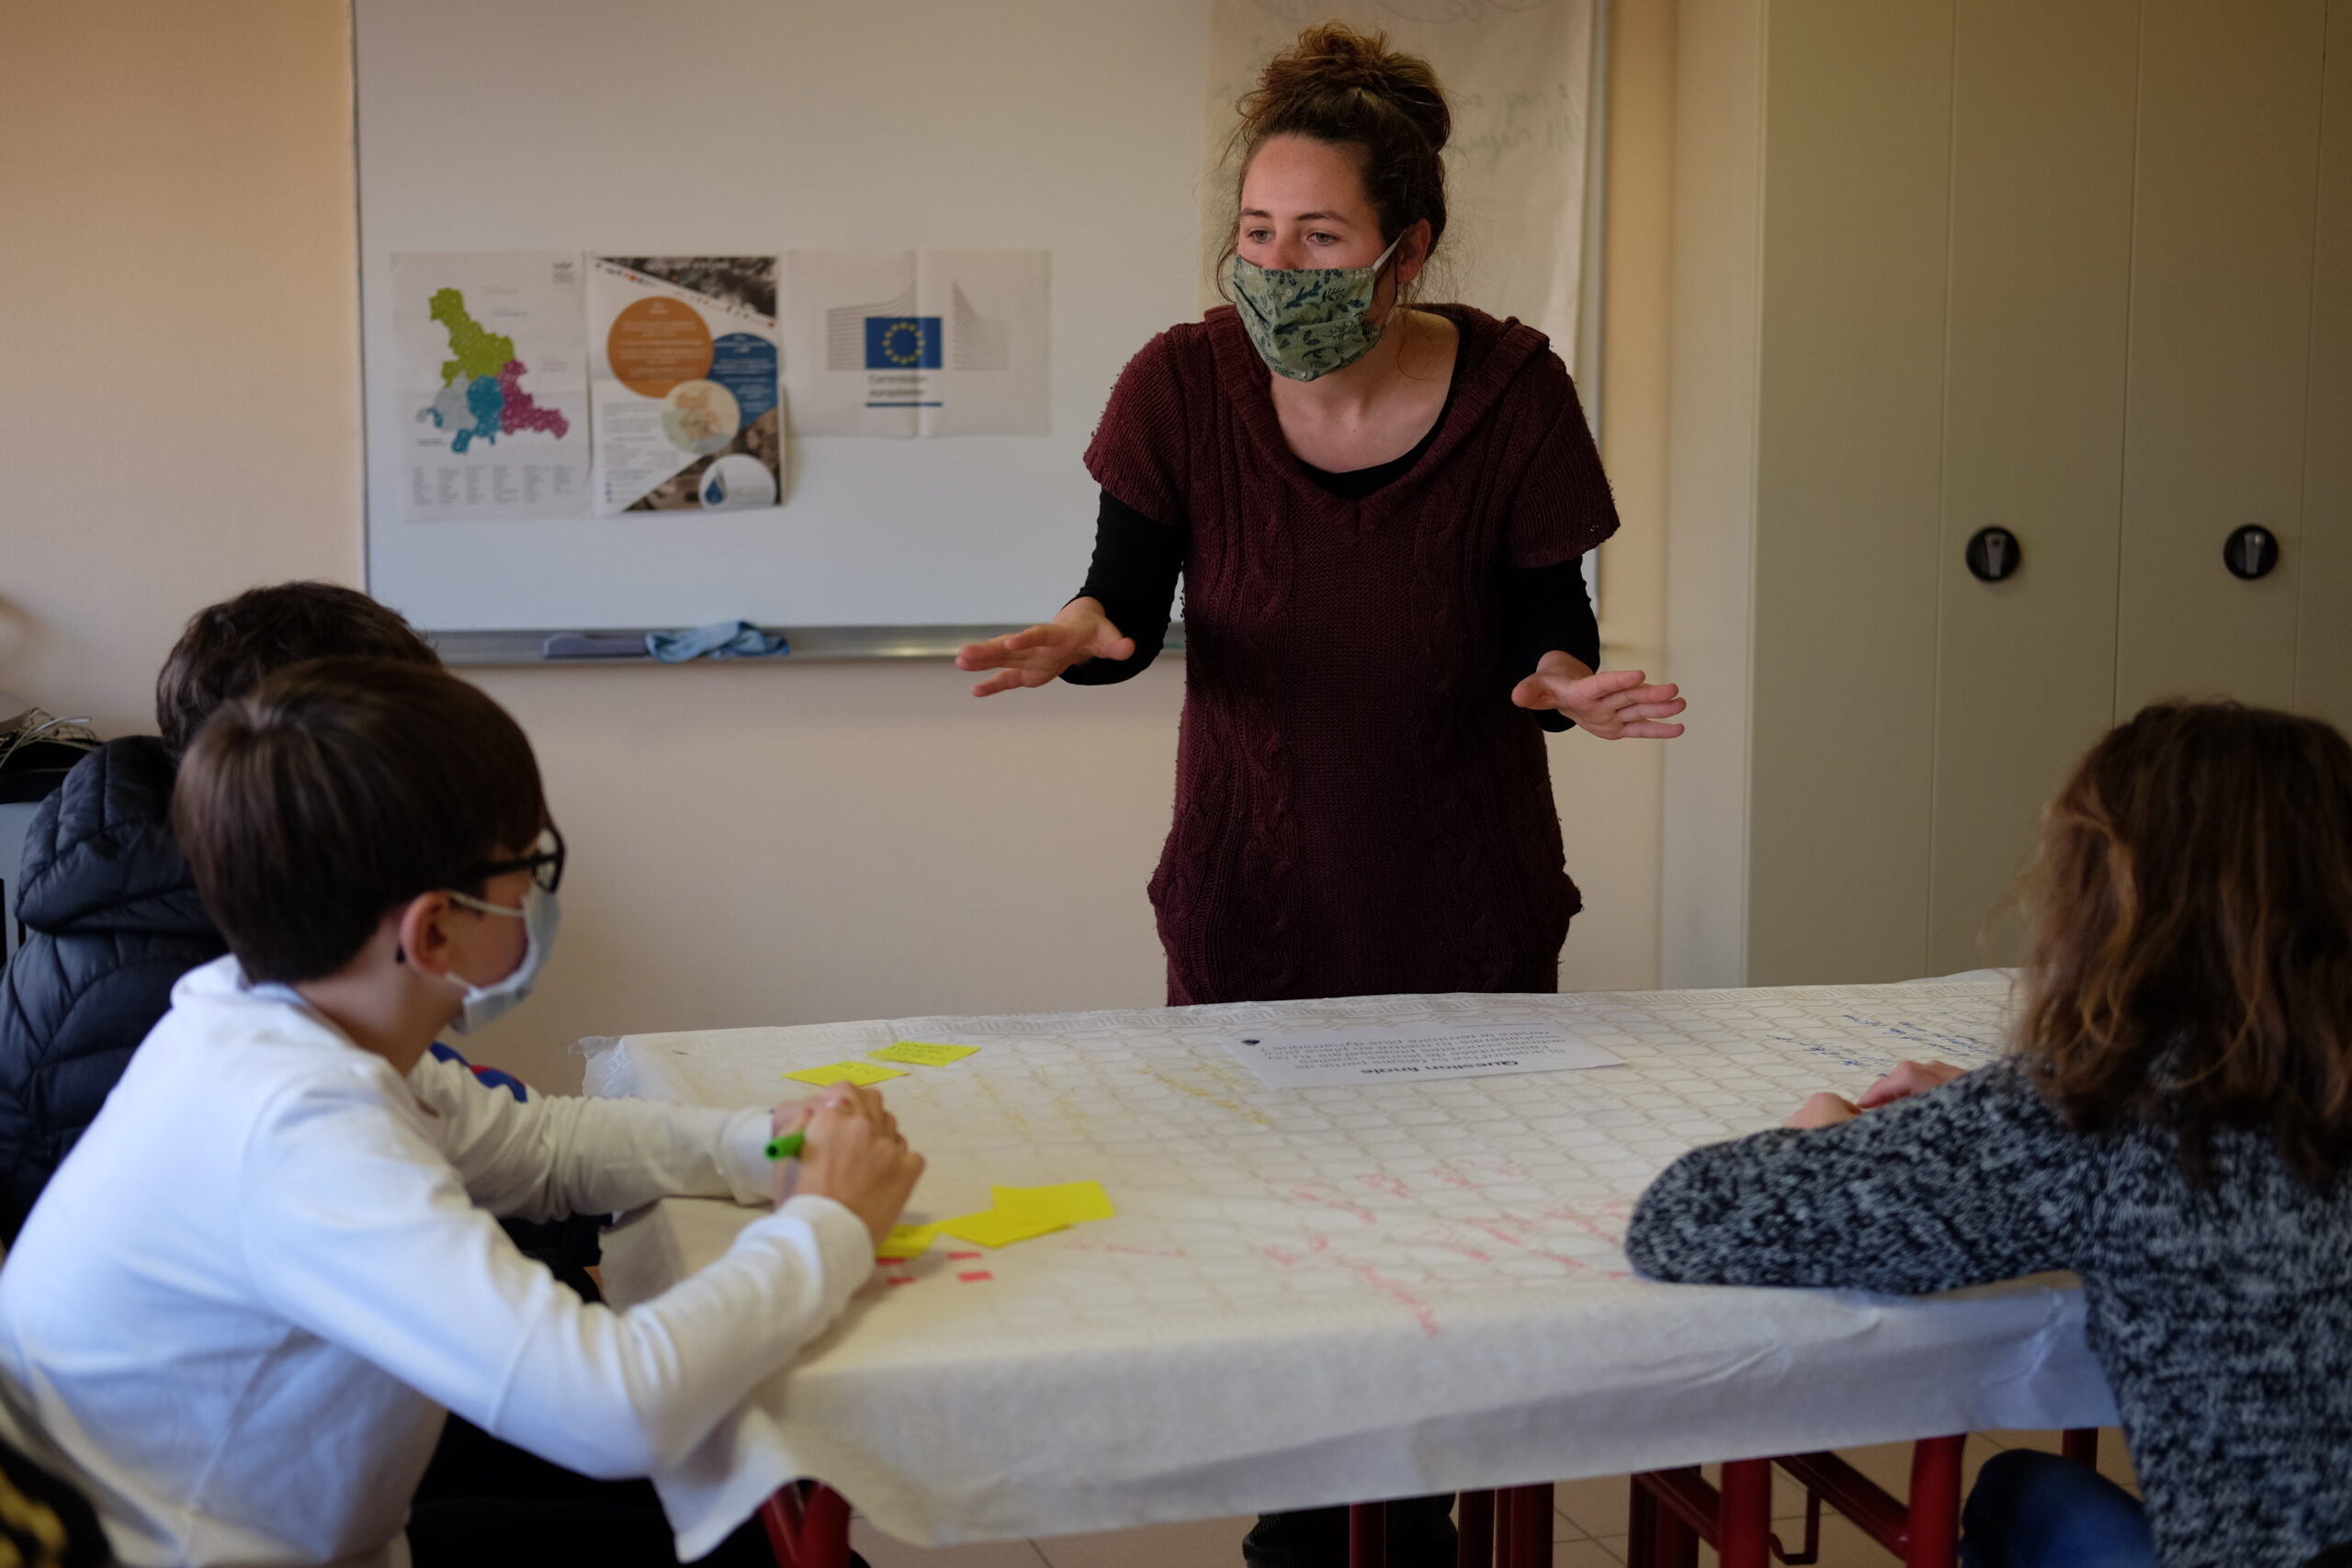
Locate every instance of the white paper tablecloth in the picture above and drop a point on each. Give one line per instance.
(1323, 1295)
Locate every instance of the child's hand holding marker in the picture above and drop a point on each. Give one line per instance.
(844, 1146)
(1827, 1110)
(788, 1125)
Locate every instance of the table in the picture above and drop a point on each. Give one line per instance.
(1318, 1296)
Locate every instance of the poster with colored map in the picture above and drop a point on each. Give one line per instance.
(493, 381)
(682, 384)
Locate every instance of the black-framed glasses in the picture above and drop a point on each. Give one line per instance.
(545, 863)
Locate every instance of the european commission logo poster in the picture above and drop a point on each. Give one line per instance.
(917, 342)
(903, 343)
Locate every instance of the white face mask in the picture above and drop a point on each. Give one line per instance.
(541, 917)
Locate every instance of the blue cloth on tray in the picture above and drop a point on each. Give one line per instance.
(720, 639)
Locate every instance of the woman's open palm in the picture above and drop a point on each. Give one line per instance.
(1036, 655)
(1615, 705)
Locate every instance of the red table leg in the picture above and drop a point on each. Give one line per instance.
(1641, 1527)
(1678, 1543)
(1475, 1522)
(2081, 1445)
(1675, 1508)
(1744, 1519)
(780, 1515)
(1933, 1529)
(1531, 1526)
(807, 1528)
(1367, 1535)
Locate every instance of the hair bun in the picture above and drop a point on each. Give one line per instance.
(1332, 59)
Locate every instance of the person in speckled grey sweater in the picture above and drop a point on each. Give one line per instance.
(2173, 1124)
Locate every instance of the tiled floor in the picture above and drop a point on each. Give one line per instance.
(1588, 1530)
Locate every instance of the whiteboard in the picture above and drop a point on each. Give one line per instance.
(720, 127)
(761, 127)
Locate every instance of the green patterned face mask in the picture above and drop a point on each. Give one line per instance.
(1309, 322)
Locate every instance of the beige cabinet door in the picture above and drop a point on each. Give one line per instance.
(2220, 336)
(2043, 122)
(2324, 651)
(1856, 161)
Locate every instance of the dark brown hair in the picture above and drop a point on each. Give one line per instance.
(338, 789)
(229, 647)
(1348, 88)
(2190, 963)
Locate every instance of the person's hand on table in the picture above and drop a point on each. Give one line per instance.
(1827, 1110)
(853, 1154)
(1615, 705)
(1036, 655)
(1908, 1079)
(784, 1175)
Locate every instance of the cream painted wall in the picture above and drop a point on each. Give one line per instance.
(1711, 529)
(179, 415)
(1612, 795)
(762, 845)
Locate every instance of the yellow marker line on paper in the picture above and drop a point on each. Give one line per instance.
(858, 1073)
(923, 1053)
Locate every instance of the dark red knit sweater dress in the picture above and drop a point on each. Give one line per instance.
(1359, 809)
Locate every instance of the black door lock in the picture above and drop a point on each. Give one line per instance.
(1994, 555)
(2251, 552)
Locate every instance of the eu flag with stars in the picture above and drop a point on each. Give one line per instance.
(902, 343)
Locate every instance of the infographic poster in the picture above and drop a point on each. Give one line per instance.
(492, 368)
(918, 342)
(682, 384)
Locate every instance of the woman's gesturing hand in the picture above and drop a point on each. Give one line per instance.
(1037, 654)
(1615, 705)
(855, 1156)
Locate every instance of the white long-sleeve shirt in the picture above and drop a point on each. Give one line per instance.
(239, 1311)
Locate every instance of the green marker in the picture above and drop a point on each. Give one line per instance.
(788, 1146)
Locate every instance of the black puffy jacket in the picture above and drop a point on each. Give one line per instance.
(112, 920)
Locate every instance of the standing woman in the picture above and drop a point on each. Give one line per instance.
(1377, 509)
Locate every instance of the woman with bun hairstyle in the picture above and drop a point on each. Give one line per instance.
(1377, 509)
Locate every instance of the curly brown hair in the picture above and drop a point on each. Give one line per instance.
(2190, 962)
(1348, 88)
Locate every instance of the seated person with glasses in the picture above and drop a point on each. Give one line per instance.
(239, 1314)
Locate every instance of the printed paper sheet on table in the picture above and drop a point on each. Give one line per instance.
(1309, 1295)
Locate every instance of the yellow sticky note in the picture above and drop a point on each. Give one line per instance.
(1074, 1202)
(923, 1053)
(994, 1227)
(907, 1241)
(858, 1073)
